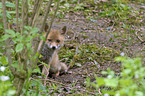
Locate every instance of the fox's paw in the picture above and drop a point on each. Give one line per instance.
(54, 75)
(64, 68)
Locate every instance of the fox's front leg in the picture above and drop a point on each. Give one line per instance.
(55, 66)
(64, 68)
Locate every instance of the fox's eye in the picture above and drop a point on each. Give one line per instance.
(57, 41)
(49, 40)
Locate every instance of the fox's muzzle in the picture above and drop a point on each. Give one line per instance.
(53, 47)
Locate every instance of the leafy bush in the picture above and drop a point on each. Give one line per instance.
(19, 43)
(6, 86)
(130, 81)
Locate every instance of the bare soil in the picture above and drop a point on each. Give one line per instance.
(109, 40)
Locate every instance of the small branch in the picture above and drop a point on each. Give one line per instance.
(46, 15)
(100, 91)
(24, 14)
(50, 25)
(35, 12)
(41, 29)
(64, 85)
(4, 15)
(43, 24)
(17, 15)
(8, 52)
(18, 83)
(36, 2)
(26, 7)
(139, 37)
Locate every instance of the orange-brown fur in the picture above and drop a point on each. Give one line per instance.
(49, 52)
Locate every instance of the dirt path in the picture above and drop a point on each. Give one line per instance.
(94, 45)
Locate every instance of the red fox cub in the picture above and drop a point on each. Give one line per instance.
(54, 41)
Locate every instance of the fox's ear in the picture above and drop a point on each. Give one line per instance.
(46, 27)
(63, 30)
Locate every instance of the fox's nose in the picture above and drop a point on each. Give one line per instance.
(53, 47)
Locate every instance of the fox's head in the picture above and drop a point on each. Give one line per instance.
(56, 38)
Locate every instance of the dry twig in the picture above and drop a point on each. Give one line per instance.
(139, 38)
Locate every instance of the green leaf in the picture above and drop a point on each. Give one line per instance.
(15, 64)
(40, 56)
(11, 32)
(19, 38)
(139, 93)
(5, 37)
(27, 27)
(100, 81)
(41, 86)
(122, 5)
(1, 23)
(25, 32)
(11, 12)
(108, 93)
(11, 92)
(137, 61)
(42, 37)
(104, 72)
(1, 5)
(29, 38)
(78, 64)
(36, 70)
(66, 5)
(54, 86)
(18, 34)
(34, 31)
(127, 71)
(29, 45)
(125, 82)
(19, 47)
(3, 60)
(45, 64)
(8, 4)
(34, 83)
(111, 82)
(88, 81)
(120, 58)
(8, 15)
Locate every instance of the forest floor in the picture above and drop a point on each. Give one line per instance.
(91, 46)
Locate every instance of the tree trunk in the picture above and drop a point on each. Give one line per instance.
(19, 83)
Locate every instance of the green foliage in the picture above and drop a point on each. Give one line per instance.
(19, 43)
(20, 40)
(3, 60)
(87, 53)
(35, 88)
(117, 9)
(6, 86)
(69, 6)
(130, 82)
(9, 14)
(8, 4)
(79, 7)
